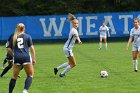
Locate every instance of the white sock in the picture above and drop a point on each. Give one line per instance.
(135, 64)
(66, 69)
(63, 65)
(106, 45)
(25, 91)
(100, 45)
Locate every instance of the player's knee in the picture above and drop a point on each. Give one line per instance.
(15, 76)
(10, 65)
(73, 65)
(30, 76)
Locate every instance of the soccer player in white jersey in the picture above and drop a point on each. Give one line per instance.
(103, 34)
(135, 36)
(73, 36)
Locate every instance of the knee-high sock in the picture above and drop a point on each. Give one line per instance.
(63, 65)
(12, 85)
(100, 45)
(28, 82)
(68, 68)
(106, 45)
(5, 60)
(135, 64)
(6, 70)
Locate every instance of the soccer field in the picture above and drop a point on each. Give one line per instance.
(85, 77)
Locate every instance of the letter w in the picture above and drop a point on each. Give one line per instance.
(47, 32)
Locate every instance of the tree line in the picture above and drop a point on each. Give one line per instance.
(57, 7)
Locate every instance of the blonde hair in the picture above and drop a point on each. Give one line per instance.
(19, 28)
(71, 17)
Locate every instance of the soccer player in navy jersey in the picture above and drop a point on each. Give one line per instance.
(8, 59)
(73, 36)
(19, 48)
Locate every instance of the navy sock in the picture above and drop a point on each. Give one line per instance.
(6, 70)
(12, 85)
(28, 82)
(5, 60)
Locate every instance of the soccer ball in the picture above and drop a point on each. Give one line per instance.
(104, 74)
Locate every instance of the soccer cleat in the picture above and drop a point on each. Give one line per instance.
(99, 48)
(135, 70)
(55, 71)
(25, 91)
(19, 76)
(62, 75)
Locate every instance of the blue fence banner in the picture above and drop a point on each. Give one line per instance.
(58, 26)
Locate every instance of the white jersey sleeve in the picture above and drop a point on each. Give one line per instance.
(74, 32)
(107, 29)
(100, 28)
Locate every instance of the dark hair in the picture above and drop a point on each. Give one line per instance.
(103, 21)
(136, 19)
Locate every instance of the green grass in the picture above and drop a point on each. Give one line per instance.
(84, 78)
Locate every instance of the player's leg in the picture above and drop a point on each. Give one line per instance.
(135, 62)
(4, 62)
(21, 67)
(105, 41)
(67, 54)
(6, 69)
(60, 67)
(16, 70)
(72, 63)
(100, 42)
(29, 72)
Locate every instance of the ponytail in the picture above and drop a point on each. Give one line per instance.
(20, 28)
(71, 17)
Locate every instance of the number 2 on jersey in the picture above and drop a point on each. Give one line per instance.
(20, 43)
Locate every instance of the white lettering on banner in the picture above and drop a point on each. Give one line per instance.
(108, 20)
(58, 31)
(80, 25)
(126, 17)
(138, 17)
(89, 18)
(88, 22)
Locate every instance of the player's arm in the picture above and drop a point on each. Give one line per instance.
(9, 48)
(108, 32)
(7, 43)
(100, 31)
(78, 39)
(32, 49)
(129, 41)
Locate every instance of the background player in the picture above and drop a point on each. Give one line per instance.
(103, 34)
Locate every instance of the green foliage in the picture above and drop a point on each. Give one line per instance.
(51, 7)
